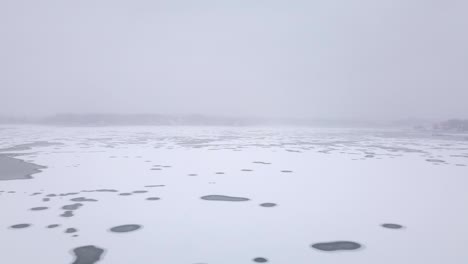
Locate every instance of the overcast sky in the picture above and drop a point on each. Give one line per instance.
(299, 58)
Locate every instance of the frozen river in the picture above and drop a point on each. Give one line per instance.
(224, 195)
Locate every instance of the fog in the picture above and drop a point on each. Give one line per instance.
(366, 59)
(234, 131)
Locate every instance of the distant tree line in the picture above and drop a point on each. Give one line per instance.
(179, 120)
(456, 125)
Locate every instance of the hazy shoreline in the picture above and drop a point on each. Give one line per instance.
(99, 119)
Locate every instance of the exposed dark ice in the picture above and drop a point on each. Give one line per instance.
(224, 198)
(435, 160)
(71, 230)
(19, 226)
(125, 228)
(337, 246)
(260, 260)
(151, 186)
(16, 169)
(39, 208)
(87, 255)
(83, 199)
(392, 226)
(72, 207)
(268, 204)
(67, 214)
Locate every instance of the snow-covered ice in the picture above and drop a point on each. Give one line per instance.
(231, 195)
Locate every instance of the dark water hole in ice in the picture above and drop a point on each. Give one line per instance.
(392, 226)
(337, 246)
(71, 230)
(20, 226)
(87, 254)
(268, 204)
(83, 199)
(67, 214)
(224, 198)
(125, 228)
(41, 208)
(16, 169)
(71, 207)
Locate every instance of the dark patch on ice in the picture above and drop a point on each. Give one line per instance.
(16, 169)
(45, 199)
(71, 230)
(260, 260)
(19, 226)
(193, 174)
(29, 146)
(268, 204)
(68, 194)
(125, 228)
(67, 214)
(53, 226)
(51, 195)
(435, 160)
(125, 194)
(100, 190)
(246, 170)
(153, 198)
(219, 172)
(224, 198)
(151, 186)
(337, 245)
(106, 190)
(261, 162)
(392, 226)
(83, 199)
(87, 255)
(286, 171)
(291, 150)
(40, 208)
(459, 156)
(72, 207)
(36, 193)
(140, 191)
(158, 169)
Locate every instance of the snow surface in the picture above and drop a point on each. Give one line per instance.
(328, 184)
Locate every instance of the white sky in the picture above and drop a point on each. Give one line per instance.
(318, 59)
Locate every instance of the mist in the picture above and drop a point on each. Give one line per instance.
(234, 132)
(364, 59)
